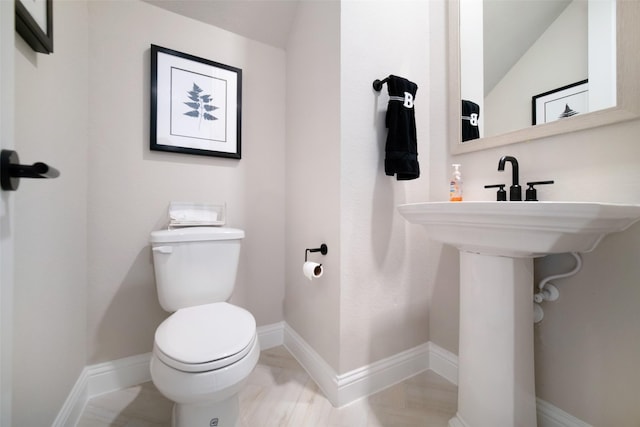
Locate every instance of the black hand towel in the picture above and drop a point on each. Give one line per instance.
(470, 115)
(402, 145)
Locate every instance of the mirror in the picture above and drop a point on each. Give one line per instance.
(607, 94)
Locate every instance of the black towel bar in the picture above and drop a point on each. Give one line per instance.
(377, 84)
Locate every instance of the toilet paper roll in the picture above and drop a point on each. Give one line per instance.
(312, 270)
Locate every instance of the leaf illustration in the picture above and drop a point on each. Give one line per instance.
(200, 105)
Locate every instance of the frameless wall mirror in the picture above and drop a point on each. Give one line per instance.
(528, 69)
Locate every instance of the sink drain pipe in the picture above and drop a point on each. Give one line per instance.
(547, 291)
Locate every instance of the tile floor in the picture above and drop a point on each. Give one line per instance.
(280, 393)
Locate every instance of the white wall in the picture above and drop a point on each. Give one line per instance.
(602, 58)
(50, 341)
(383, 298)
(472, 62)
(130, 187)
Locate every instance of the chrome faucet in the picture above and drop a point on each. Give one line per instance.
(515, 191)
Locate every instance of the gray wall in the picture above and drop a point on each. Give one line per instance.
(84, 281)
(85, 290)
(130, 187)
(52, 125)
(312, 309)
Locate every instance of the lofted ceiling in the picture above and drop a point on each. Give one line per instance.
(511, 27)
(267, 21)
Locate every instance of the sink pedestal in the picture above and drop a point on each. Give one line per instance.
(496, 384)
(497, 243)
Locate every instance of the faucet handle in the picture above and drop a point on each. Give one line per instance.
(531, 195)
(502, 194)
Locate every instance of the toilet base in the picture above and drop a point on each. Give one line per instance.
(219, 414)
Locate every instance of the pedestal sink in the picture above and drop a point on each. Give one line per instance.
(497, 243)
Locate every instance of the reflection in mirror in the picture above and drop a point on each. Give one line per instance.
(610, 91)
(560, 53)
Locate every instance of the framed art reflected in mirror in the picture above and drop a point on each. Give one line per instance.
(560, 103)
(626, 105)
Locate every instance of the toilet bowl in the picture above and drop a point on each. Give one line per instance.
(204, 351)
(201, 359)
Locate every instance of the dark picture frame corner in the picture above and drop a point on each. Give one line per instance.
(37, 30)
(560, 103)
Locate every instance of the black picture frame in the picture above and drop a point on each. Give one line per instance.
(196, 105)
(38, 37)
(565, 101)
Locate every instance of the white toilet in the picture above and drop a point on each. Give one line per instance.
(206, 349)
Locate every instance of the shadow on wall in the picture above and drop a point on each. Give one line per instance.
(398, 291)
(444, 303)
(129, 322)
(587, 346)
(383, 199)
(388, 193)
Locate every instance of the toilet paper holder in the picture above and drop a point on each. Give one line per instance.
(322, 249)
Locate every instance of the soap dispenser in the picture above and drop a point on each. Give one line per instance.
(455, 184)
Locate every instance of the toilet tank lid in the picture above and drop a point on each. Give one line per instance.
(194, 234)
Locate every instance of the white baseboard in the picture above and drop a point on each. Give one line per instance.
(340, 389)
(345, 388)
(443, 363)
(319, 370)
(551, 416)
(457, 421)
(75, 402)
(127, 372)
(118, 374)
(102, 378)
(270, 336)
(370, 379)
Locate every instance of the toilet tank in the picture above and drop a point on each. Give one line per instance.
(195, 265)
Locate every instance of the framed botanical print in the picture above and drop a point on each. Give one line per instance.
(195, 105)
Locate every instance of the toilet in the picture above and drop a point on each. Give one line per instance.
(204, 351)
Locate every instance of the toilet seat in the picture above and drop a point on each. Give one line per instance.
(205, 337)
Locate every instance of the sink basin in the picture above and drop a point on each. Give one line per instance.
(521, 229)
(497, 243)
